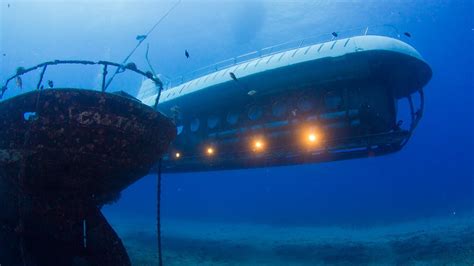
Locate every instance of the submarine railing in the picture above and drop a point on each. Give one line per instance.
(121, 68)
(415, 115)
(385, 30)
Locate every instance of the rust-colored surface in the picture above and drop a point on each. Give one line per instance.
(81, 143)
(63, 154)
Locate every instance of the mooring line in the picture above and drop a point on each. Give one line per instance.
(158, 214)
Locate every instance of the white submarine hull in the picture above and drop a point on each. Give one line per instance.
(347, 89)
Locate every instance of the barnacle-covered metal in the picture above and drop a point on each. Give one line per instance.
(64, 153)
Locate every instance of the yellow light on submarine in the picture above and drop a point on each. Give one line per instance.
(258, 145)
(312, 138)
(177, 155)
(210, 151)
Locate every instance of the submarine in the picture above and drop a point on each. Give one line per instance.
(322, 102)
(64, 153)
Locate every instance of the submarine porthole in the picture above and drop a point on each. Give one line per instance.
(279, 109)
(212, 121)
(255, 112)
(195, 123)
(179, 129)
(232, 118)
(304, 104)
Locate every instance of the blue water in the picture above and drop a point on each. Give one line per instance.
(432, 177)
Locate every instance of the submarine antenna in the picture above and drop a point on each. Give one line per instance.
(140, 41)
(158, 213)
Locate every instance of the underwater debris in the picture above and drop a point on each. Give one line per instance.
(58, 220)
(74, 175)
(186, 53)
(407, 34)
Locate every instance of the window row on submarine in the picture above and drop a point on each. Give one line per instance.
(279, 109)
(335, 113)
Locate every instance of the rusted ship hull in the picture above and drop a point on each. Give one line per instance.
(63, 154)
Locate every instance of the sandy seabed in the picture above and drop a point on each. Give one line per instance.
(423, 242)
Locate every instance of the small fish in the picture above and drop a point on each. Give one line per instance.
(232, 75)
(186, 53)
(334, 34)
(19, 82)
(50, 83)
(407, 34)
(140, 37)
(252, 92)
(8, 5)
(4, 54)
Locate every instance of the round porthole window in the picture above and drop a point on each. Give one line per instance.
(195, 123)
(179, 130)
(232, 118)
(212, 121)
(279, 109)
(255, 112)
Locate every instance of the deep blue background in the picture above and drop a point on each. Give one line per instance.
(431, 176)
